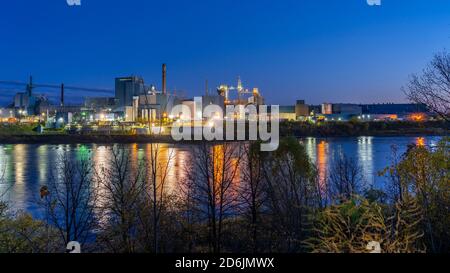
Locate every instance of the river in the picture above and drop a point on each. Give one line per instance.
(24, 168)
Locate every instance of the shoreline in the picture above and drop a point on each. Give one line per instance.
(167, 139)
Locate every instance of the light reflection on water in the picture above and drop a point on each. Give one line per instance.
(365, 159)
(26, 167)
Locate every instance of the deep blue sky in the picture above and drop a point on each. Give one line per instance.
(318, 50)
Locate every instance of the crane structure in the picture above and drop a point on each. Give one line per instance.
(224, 91)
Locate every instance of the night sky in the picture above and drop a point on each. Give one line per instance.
(317, 50)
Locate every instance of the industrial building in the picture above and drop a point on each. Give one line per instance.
(401, 110)
(372, 112)
(300, 111)
(347, 111)
(134, 103)
(126, 88)
(6, 114)
(156, 106)
(99, 103)
(287, 113)
(339, 111)
(26, 104)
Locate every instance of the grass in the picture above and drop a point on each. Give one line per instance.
(17, 129)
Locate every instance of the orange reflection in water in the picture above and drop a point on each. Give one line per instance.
(163, 158)
(218, 163)
(226, 170)
(420, 141)
(322, 160)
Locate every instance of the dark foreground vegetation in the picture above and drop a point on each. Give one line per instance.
(279, 204)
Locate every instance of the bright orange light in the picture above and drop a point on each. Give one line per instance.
(420, 141)
(393, 117)
(417, 117)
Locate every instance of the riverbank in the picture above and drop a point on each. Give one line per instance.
(26, 135)
(82, 139)
(356, 129)
(126, 139)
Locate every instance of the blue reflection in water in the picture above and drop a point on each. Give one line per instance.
(373, 154)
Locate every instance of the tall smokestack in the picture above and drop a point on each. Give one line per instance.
(164, 73)
(62, 94)
(30, 86)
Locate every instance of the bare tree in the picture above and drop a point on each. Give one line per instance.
(188, 208)
(122, 187)
(252, 194)
(3, 209)
(432, 87)
(4, 188)
(345, 178)
(213, 174)
(290, 184)
(70, 198)
(396, 187)
(158, 165)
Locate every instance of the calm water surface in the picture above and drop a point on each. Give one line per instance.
(24, 168)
